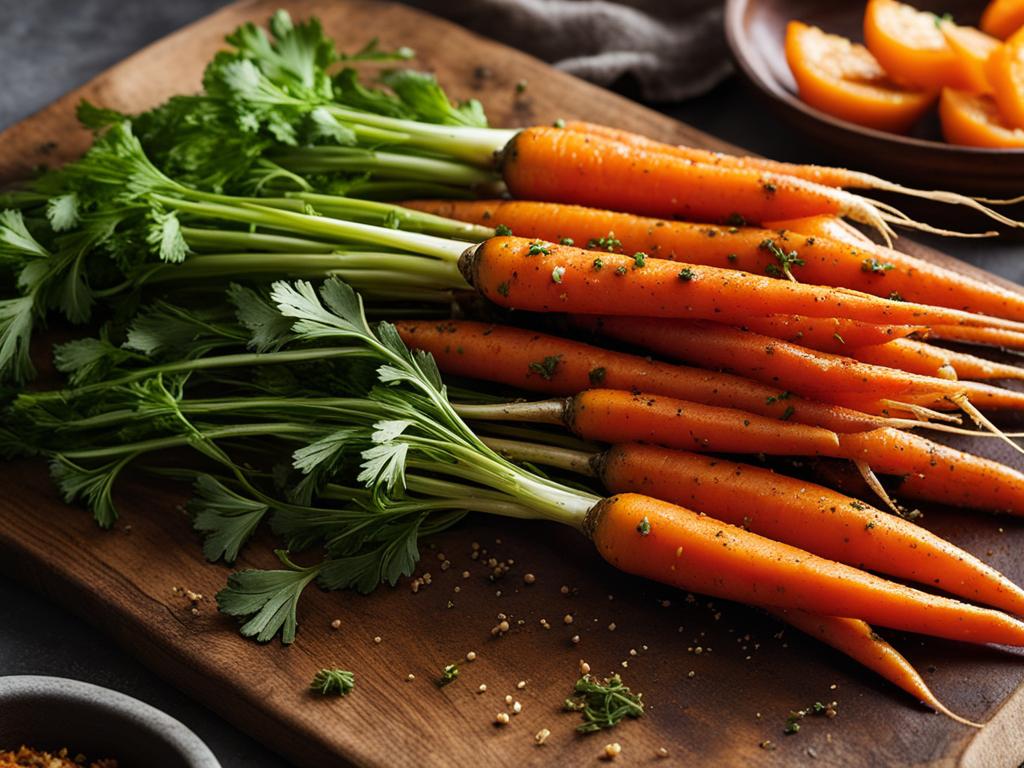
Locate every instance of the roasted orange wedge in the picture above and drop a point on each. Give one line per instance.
(972, 48)
(910, 46)
(1005, 72)
(973, 119)
(1003, 17)
(843, 79)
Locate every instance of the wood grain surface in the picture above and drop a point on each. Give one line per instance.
(719, 679)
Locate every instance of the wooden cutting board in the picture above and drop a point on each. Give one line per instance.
(719, 679)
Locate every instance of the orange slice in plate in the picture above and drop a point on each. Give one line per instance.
(910, 46)
(1005, 72)
(1003, 17)
(843, 79)
(972, 119)
(972, 47)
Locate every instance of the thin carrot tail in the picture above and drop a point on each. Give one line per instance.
(876, 485)
(1001, 200)
(914, 424)
(868, 212)
(893, 215)
(933, 702)
(919, 412)
(981, 420)
(856, 639)
(952, 198)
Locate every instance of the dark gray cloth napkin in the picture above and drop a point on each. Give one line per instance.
(672, 49)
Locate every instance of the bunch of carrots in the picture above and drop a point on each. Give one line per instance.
(776, 329)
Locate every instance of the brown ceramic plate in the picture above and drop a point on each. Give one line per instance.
(756, 32)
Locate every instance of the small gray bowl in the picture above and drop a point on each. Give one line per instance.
(48, 713)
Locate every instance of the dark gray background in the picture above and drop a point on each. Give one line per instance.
(48, 47)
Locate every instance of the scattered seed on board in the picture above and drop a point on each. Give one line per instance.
(377, 639)
(567, 618)
(584, 667)
(482, 688)
(410, 677)
(611, 627)
(662, 752)
(542, 736)
(613, 750)
(575, 639)
(529, 578)
(516, 708)
(564, 590)
(501, 718)
(471, 656)
(336, 624)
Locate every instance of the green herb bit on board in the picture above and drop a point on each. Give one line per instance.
(333, 682)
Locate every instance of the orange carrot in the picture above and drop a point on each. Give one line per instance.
(807, 516)
(794, 368)
(857, 640)
(521, 274)
(551, 365)
(931, 470)
(972, 367)
(919, 357)
(910, 356)
(988, 337)
(831, 255)
(827, 334)
(673, 545)
(560, 166)
(935, 472)
(910, 278)
(615, 416)
(817, 174)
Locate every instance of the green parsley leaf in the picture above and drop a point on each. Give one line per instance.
(267, 599)
(227, 519)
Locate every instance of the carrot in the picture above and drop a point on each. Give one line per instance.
(807, 516)
(931, 470)
(827, 334)
(521, 274)
(935, 472)
(615, 416)
(560, 166)
(920, 357)
(988, 337)
(818, 174)
(832, 252)
(676, 546)
(911, 278)
(857, 640)
(812, 374)
(910, 356)
(551, 365)
(972, 367)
